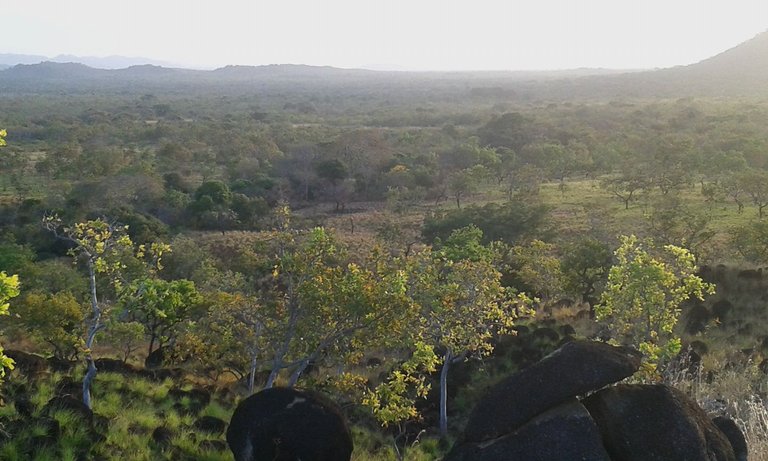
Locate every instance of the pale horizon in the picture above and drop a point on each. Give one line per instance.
(426, 35)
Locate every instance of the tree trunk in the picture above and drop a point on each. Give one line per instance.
(252, 376)
(447, 358)
(151, 344)
(92, 330)
(297, 372)
(277, 362)
(273, 374)
(89, 375)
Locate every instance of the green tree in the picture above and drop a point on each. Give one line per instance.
(211, 205)
(393, 402)
(52, 319)
(16, 258)
(466, 182)
(217, 191)
(626, 185)
(585, 266)
(228, 337)
(669, 221)
(537, 266)
(671, 162)
(126, 337)
(9, 288)
(733, 188)
(512, 130)
(641, 302)
(751, 241)
(755, 184)
(462, 302)
(468, 155)
(106, 250)
(335, 172)
(525, 181)
(160, 306)
(507, 222)
(328, 307)
(3, 134)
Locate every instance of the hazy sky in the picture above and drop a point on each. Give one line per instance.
(395, 34)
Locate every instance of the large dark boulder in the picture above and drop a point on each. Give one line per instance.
(68, 386)
(646, 422)
(210, 425)
(575, 369)
(61, 365)
(196, 399)
(29, 364)
(722, 309)
(24, 406)
(115, 366)
(161, 374)
(156, 358)
(69, 404)
(566, 432)
(731, 431)
(213, 445)
(287, 424)
(698, 318)
(163, 436)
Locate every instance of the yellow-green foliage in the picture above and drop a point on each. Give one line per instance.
(641, 302)
(9, 288)
(51, 319)
(394, 400)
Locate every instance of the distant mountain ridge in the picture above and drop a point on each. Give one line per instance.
(749, 58)
(739, 71)
(105, 62)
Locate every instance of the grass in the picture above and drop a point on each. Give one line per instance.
(133, 408)
(733, 389)
(584, 209)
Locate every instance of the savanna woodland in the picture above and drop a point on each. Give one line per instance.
(172, 241)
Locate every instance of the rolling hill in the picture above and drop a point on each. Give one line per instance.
(739, 72)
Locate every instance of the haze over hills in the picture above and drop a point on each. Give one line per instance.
(749, 59)
(105, 62)
(742, 70)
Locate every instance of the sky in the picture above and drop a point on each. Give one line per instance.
(387, 34)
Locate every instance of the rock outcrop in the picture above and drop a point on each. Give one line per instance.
(729, 428)
(535, 415)
(287, 424)
(644, 422)
(566, 431)
(575, 369)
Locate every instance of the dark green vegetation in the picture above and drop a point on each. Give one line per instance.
(328, 227)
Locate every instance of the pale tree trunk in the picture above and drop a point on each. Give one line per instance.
(252, 376)
(92, 330)
(447, 359)
(278, 361)
(297, 372)
(272, 377)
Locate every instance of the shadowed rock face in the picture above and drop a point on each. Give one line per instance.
(734, 435)
(575, 369)
(286, 424)
(656, 423)
(565, 432)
